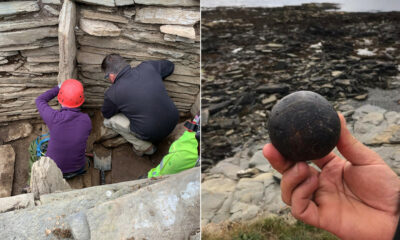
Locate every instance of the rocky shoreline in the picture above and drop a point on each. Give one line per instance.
(251, 57)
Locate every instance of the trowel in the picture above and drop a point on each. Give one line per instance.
(102, 162)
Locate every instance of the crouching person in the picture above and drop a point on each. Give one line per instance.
(69, 128)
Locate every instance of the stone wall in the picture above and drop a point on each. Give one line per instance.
(44, 42)
(39, 38)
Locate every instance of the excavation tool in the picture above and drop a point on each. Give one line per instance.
(102, 161)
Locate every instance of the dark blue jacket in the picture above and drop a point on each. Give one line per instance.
(139, 93)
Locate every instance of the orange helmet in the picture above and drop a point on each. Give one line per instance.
(71, 93)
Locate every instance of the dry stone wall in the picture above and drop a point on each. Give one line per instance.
(44, 42)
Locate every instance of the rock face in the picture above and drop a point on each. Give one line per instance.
(66, 38)
(175, 216)
(7, 159)
(26, 36)
(186, 3)
(162, 211)
(46, 177)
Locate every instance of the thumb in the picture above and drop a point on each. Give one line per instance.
(353, 150)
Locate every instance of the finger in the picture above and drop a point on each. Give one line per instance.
(325, 160)
(292, 178)
(303, 208)
(277, 161)
(353, 150)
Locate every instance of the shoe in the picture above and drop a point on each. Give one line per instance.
(138, 153)
(151, 151)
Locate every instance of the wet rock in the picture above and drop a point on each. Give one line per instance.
(7, 159)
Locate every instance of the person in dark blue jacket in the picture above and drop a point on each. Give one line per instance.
(137, 105)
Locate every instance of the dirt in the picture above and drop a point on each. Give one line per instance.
(61, 233)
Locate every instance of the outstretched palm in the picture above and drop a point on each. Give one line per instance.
(354, 199)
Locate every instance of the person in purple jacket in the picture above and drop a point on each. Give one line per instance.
(69, 127)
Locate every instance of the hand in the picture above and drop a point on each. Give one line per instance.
(357, 198)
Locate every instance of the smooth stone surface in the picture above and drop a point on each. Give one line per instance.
(18, 7)
(155, 15)
(7, 160)
(182, 31)
(124, 2)
(56, 2)
(89, 58)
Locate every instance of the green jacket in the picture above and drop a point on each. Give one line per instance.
(182, 155)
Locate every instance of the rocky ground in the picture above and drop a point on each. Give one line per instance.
(252, 57)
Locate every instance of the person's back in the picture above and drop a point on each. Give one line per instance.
(140, 95)
(69, 130)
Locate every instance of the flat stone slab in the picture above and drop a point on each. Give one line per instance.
(15, 131)
(29, 23)
(7, 160)
(154, 15)
(182, 31)
(17, 7)
(16, 202)
(107, 3)
(26, 36)
(183, 3)
(166, 210)
(99, 28)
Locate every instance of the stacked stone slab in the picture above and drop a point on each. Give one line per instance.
(147, 30)
(28, 56)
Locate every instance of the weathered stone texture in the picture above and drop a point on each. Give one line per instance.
(107, 3)
(26, 36)
(186, 3)
(182, 31)
(99, 28)
(46, 178)
(16, 131)
(17, 7)
(155, 15)
(85, 13)
(16, 202)
(66, 38)
(7, 159)
(24, 24)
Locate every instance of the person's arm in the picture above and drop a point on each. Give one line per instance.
(108, 109)
(45, 111)
(164, 67)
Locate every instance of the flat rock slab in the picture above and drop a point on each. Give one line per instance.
(182, 31)
(7, 160)
(66, 39)
(154, 15)
(166, 210)
(16, 202)
(107, 3)
(28, 23)
(17, 7)
(99, 28)
(183, 3)
(103, 16)
(26, 36)
(15, 131)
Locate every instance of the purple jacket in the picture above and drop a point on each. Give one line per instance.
(69, 131)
